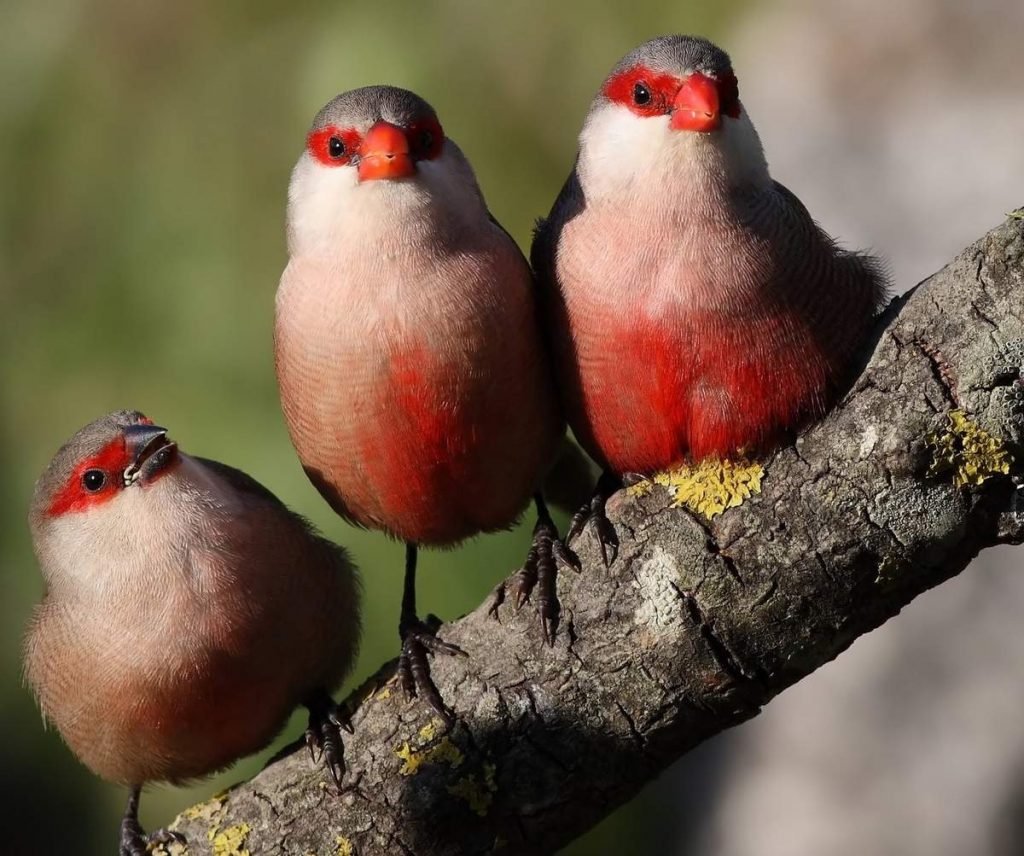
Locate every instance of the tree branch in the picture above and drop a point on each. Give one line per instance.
(698, 624)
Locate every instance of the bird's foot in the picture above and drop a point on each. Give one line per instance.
(418, 640)
(135, 841)
(593, 514)
(327, 719)
(540, 572)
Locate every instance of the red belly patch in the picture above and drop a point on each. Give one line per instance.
(662, 390)
(418, 458)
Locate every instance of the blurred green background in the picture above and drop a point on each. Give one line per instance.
(144, 157)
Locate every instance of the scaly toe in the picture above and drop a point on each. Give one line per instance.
(497, 599)
(525, 580)
(323, 735)
(418, 640)
(609, 539)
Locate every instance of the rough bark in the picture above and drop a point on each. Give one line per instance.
(698, 624)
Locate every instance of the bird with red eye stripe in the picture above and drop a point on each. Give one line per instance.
(409, 356)
(695, 309)
(187, 612)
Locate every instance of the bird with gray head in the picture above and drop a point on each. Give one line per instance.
(695, 309)
(187, 612)
(409, 357)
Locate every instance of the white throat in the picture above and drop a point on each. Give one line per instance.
(330, 210)
(625, 156)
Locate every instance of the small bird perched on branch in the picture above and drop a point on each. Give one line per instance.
(412, 372)
(187, 612)
(695, 308)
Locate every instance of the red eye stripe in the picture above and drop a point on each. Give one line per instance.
(729, 96)
(426, 138)
(112, 459)
(319, 144)
(663, 88)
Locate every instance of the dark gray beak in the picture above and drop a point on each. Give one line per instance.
(149, 449)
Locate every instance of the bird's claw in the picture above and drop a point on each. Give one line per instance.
(593, 512)
(136, 842)
(327, 720)
(540, 572)
(566, 556)
(608, 538)
(419, 640)
(497, 599)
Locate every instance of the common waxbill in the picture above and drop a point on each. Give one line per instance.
(695, 308)
(187, 612)
(409, 357)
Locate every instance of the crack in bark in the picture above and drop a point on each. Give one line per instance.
(727, 661)
(942, 371)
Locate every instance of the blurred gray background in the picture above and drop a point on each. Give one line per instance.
(144, 156)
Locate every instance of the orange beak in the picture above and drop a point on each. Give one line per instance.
(384, 153)
(696, 107)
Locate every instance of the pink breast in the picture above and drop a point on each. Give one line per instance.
(432, 431)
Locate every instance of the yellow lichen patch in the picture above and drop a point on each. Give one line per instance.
(444, 752)
(344, 846)
(641, 488)
(171, 848)
(968, 451)
(710, 487)
(384, 694)
(473, 793)
(429, 731)
(478, 792)
(209, 811)
(410, 758)
(230, 841)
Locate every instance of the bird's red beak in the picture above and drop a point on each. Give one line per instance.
(696, 107)
(384, 153)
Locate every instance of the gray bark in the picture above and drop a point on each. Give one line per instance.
(698, 623)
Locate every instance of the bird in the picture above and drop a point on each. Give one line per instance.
(694, 308)
(411, 366)
(186, 613)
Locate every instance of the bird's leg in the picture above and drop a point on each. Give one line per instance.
(540, 571)
(593, 512)
(418, 640)
(134, 841)
(327, 719)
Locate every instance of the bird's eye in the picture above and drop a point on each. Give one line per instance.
(93, 480)
(335, 147)
(426, 140)
(641, 94)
